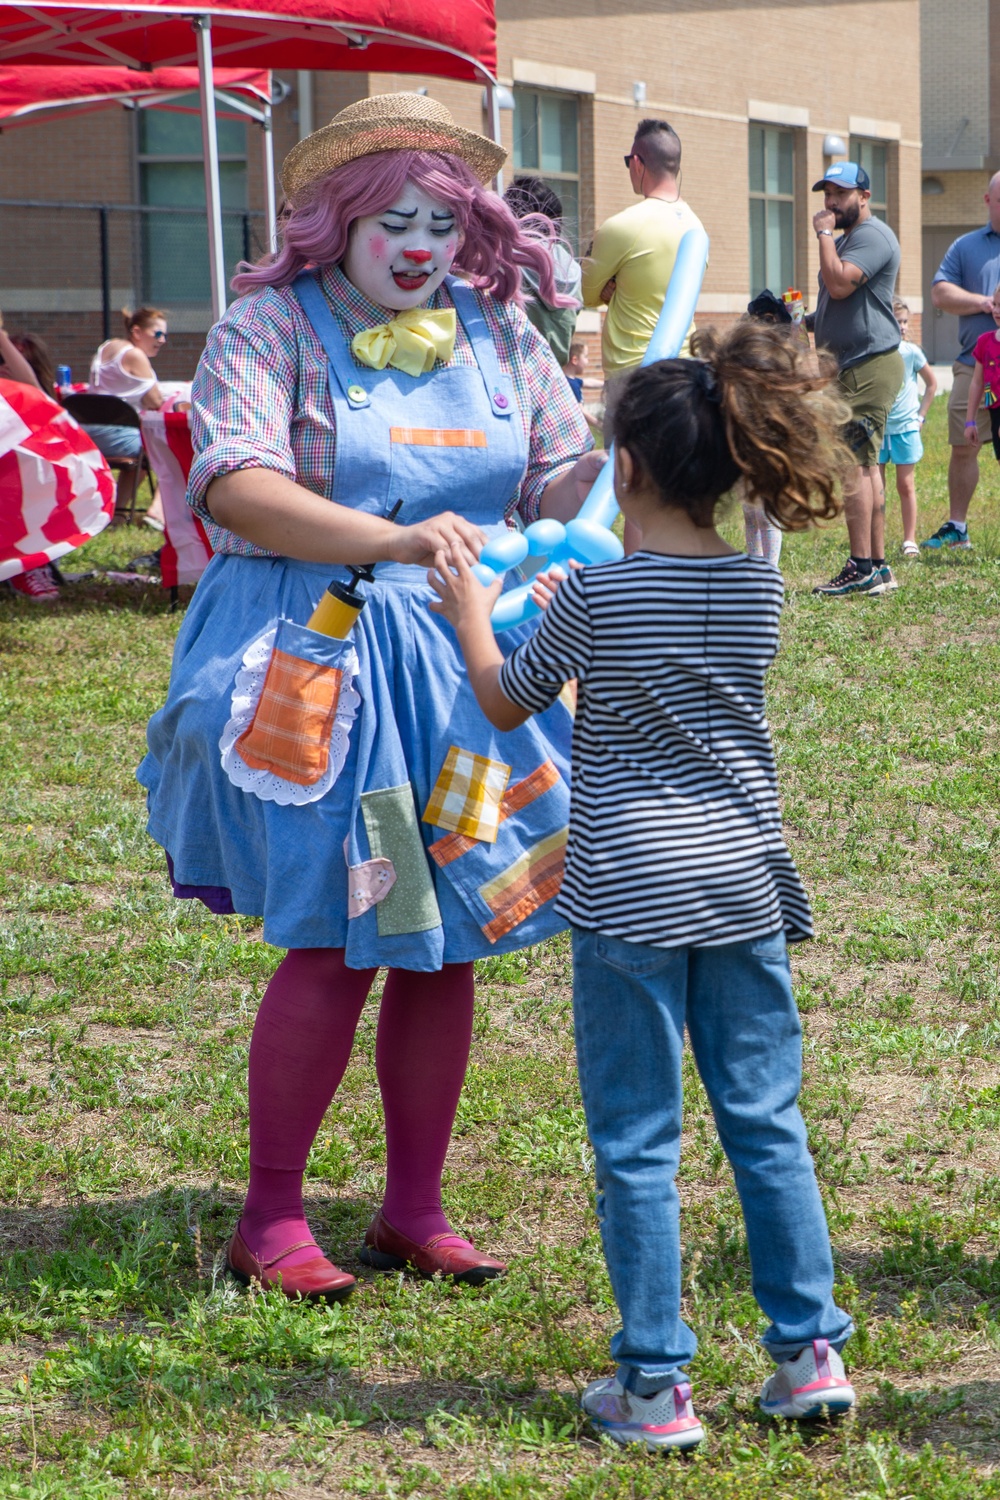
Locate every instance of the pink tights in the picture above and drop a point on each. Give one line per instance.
(301, 1044)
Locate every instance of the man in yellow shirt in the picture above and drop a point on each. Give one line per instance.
(632, 257)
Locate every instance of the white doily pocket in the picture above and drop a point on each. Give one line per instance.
(293, 705)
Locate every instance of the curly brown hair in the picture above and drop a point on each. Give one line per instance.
(751, 402)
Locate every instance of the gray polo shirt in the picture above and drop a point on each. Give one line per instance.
(973, 263)
(858, 327)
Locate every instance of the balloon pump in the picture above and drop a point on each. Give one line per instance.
(341, 603)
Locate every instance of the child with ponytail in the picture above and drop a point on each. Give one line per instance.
(678, 886)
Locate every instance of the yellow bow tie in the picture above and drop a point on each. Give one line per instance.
(411, 342)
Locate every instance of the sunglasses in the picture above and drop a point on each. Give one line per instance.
(634, 156)
(159, 337)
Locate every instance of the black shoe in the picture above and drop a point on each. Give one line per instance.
(850, 581)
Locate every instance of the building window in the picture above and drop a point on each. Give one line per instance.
(171, 173)
(873, 156)
(547, 145)
(772, 209)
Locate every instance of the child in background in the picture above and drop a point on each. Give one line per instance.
(761, 539)
(575, 367)
(985, 387)
(678, 886)
(902, 445)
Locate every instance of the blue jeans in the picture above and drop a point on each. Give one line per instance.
(113, 441)
(630, 1004)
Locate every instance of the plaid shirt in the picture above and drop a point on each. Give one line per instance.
(261, 399)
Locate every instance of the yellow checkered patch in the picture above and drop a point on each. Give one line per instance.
(467, 794)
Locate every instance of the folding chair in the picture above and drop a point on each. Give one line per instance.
(91, 408)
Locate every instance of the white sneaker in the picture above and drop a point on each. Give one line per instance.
(666, 1420)
(810, 1385)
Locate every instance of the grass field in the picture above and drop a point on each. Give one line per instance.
(131, 1367)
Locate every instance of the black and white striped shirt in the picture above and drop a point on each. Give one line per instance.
(675, 831)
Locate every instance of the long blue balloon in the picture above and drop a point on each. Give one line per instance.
(668, 337)
(600, 507)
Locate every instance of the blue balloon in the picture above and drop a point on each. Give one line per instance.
(544, 536)
(502, 553)
(589, 538)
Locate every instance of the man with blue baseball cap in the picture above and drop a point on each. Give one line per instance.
(964, 284)
(855, 322)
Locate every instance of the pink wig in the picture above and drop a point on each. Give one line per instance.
(494, 245)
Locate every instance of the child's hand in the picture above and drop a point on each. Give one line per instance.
(463, 599)
(544, 585)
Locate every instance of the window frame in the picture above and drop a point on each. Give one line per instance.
(572, 224)
(144, 160)
(762, 195)
(880, 207)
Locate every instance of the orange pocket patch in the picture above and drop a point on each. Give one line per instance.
(438, 437)
(522, 888)
(290, 733)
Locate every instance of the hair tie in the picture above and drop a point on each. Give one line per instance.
(706, 381)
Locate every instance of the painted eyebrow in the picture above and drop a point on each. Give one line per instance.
(402, 213)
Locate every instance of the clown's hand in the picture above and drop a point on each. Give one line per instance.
(447, 533)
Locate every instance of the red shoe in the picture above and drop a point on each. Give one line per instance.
(39, 585)
(385, 1249)
(317, 1280)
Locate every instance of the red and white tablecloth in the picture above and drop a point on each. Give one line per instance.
(166, 437)
(56, 491)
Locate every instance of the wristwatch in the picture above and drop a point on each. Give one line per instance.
(824, 231)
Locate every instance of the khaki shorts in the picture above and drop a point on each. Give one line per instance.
(870, 389)
(958, 406)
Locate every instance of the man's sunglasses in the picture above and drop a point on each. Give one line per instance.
(636, 156)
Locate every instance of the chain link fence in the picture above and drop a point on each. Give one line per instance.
(67, 269)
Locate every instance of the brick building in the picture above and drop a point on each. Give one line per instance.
(960, 91)
(762, 96)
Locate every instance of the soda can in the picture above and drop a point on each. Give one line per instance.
(64, 376)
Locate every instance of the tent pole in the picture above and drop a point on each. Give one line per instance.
(210, 147)
(270, 210)
(493, 112)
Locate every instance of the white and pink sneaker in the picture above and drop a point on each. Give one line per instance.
(813, 1384)
(666, 1420)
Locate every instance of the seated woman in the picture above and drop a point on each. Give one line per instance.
(123, 367)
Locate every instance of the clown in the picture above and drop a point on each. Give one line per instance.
(351, 792)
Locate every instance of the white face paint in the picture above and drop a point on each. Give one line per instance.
(400, 257)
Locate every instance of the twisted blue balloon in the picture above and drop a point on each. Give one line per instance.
(589, 538)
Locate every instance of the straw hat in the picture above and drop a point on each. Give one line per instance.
(387, 122)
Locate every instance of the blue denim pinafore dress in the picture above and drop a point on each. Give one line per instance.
(440, 840)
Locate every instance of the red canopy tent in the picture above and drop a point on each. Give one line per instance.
(29, 94)
(451, 39)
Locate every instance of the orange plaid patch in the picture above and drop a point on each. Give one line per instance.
(522, 888)
(438, 437)
(290, 733)
(453, 845)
